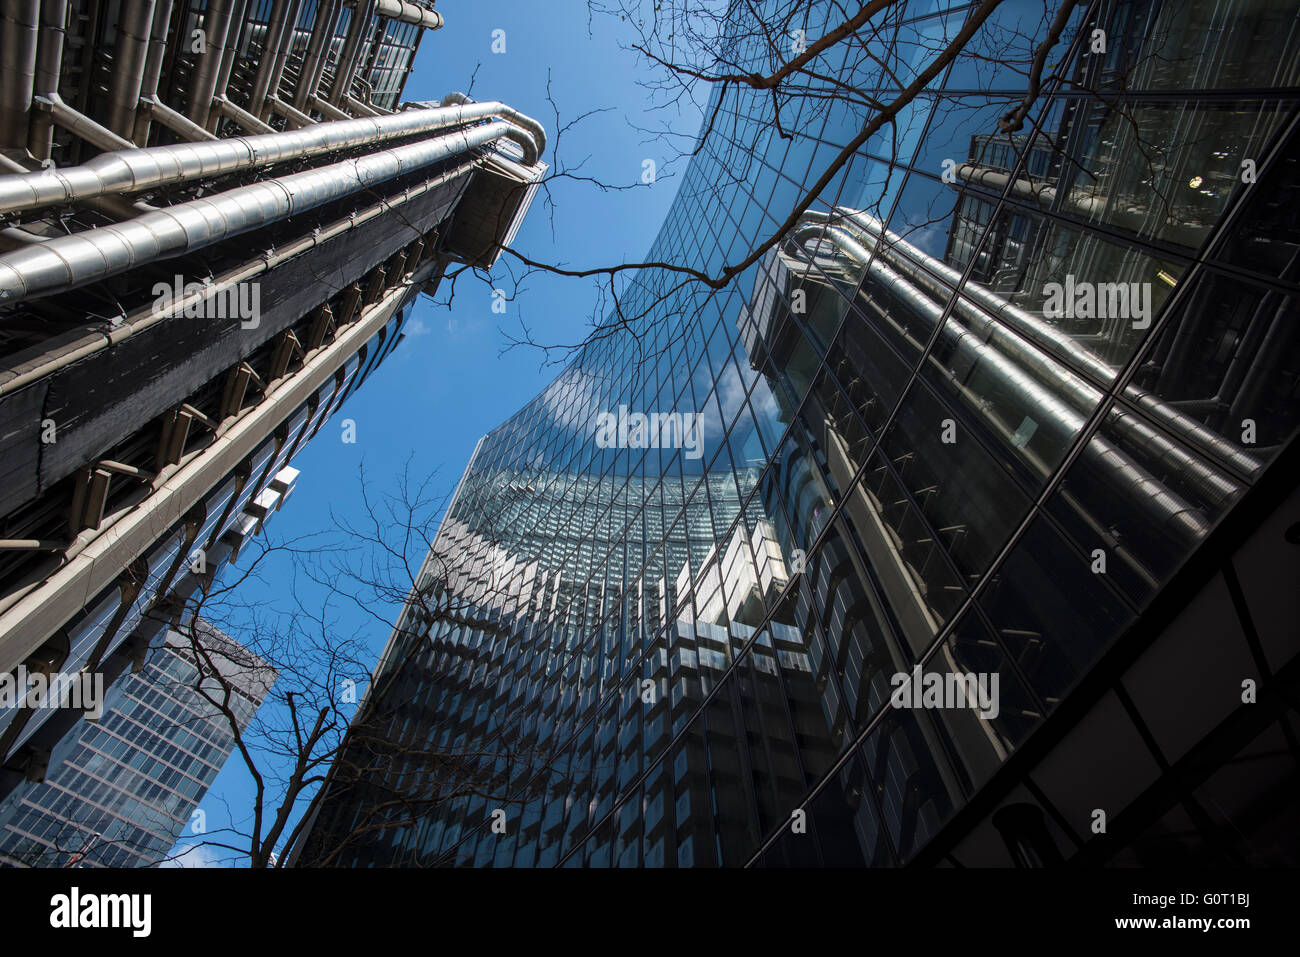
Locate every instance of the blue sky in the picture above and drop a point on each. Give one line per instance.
(449, 383)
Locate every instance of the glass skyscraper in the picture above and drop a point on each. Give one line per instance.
(126, 785)
(1007, 413)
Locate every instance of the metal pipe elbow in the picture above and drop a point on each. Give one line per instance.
(534, 129)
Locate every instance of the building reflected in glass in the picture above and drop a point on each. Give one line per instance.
(1015, 404)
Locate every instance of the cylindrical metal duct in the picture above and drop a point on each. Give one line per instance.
(176, 122)
(233, 37)
(216, 24)
(283, 15)
(242, 118)
(406, 12)
(530, 125)
(70, 261)
(328, 110)
(83, 126)
(49, 65)
(162, 16)
(135, 170)
(143, 318)
(314, 62)
(359, 108)
(49, 107)
(362, 15)
(131, 52)
(18, 30)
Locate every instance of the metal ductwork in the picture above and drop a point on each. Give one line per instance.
(139, 169)
(1042, 193)
(216, 24)
(162, 16)
(70, 261)
(297, 119)
(49, 64)
(362, 15)
(359, 108)
(234, 36)
(242, 118)
(274, 52)
(48, 105)
(508, 113)
(133, 29)
(18, 28)
(314, 63)
(406, 12)
(154, 108)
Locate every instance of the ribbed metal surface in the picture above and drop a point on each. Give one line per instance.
(70, 261)
(161, 165)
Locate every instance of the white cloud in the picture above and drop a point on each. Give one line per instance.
(196, 855)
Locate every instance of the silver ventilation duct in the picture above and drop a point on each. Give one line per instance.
(314, 63)
(153, 108)
(133, 28)
(49, 63)
(69, 261)
(162, 16)
(297, 119)
(362, 15)
(406, 12)
(508, 113)
(48, 105)
(139, 169)
(216, 24)
(274, 53)
(18, 25)
(234, 36)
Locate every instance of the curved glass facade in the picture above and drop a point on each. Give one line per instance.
(972, 419)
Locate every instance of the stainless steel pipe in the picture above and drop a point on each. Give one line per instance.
(405, 12)
(125, 88)
(70, 261)
(362, 16)
(19, 21)
(216, 24)
(283, 17)
(162, 17)
(140, 169)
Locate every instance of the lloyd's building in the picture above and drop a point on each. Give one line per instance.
(965, 572)
(216, 217)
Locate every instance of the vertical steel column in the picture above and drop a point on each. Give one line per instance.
(18, 25)
(312, 65)
(233, 37)
(162, 16)
(281, 56)
(49, 64)
(277, 27)
(215, 25)
(362, 16)
(129, 59)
